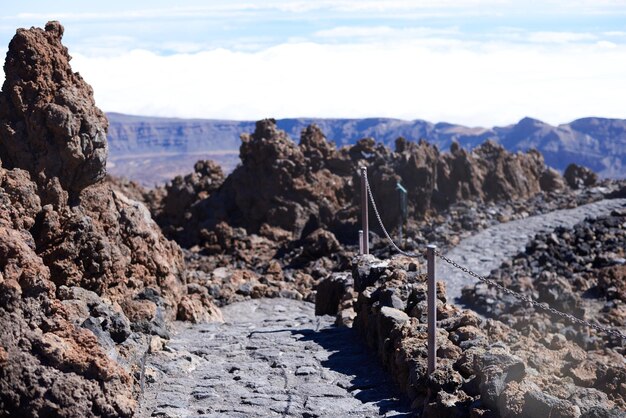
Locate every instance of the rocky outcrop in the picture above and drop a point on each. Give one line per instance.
(484, 368)
(578, 176)
(87, 279)
(180, 200)
(45, 353)
(299, 188)
(50, 124)
(296, 205)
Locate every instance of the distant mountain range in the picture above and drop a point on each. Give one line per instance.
(597, 143)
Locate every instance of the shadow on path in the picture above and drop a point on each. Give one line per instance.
(368, 382)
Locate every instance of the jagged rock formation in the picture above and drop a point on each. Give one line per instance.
(49, 366)
(180, 199)
(295, 189)
(50, 124)
(86, 277)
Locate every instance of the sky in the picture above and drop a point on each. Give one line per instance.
(472, 62)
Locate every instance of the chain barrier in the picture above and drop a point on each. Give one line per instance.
(529, 300)
(382, 226)
(523, 298)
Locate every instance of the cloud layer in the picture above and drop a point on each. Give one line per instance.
(435, 79)
(477, 62)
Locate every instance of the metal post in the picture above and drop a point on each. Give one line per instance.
(402, 194)
(432, 308)
(364, 215)
(360, 241)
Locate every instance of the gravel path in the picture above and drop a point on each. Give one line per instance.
(272, 357)
(486, 250)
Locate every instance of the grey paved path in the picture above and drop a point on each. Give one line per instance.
(272, 357)
(486, 250)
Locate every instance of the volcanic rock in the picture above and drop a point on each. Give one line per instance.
(179, 204)
(551, 181)
(579, 271)
(578, 176)
(484, 368)
(74, 252)
(47, 354)
(330, 293)
(50, 125)
(298, 188)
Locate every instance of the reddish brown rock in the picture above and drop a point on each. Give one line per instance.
(484, 368)
(178, 212)
(299, 188)
(110, 245)
(47, 355)
(612, 282)
(50, 125)
(74, 252)
(198, 308)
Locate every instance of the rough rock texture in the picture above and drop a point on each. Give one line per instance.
(488, 249)
(287, 216)
(50, 125)
(578, 176)
(135, 191)
(45, 354)
(335, 295)
(484, 367)
(295, 205)
(87, 279)
(270, 358)
(296, 189)
(577, 270)
(181, 197)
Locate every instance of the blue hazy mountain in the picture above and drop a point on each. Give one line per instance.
(597, 143)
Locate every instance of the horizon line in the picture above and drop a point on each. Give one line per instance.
(313, 118)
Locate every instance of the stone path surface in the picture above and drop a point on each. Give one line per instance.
(271, 357)
(486, 250)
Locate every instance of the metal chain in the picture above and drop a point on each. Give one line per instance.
(524, 298)
(380, 222)
(528, 299)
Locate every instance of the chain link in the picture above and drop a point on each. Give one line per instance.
(529, 300)
(523, 298)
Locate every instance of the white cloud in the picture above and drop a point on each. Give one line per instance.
(215, 10)
(437, 80)
(160, 9)
(560, 37)
(382, 32)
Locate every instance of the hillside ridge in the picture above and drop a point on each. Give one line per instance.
(598, 143)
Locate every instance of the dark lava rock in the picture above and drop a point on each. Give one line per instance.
(578, 176)
(330, 293)
(484, 368)
(299, 188)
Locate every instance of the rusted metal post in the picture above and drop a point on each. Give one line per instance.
(360, 241)
(432, 308)
(364, 214)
